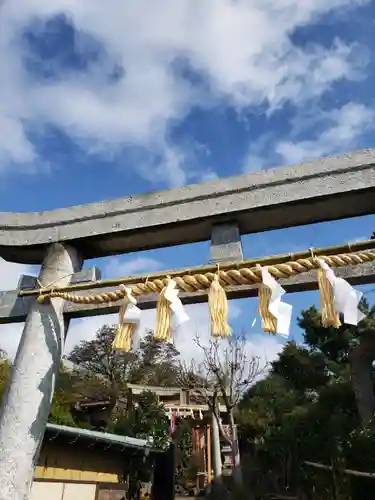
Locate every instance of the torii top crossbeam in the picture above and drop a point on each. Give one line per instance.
(316, 191)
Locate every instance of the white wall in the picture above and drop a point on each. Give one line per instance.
(46, 490)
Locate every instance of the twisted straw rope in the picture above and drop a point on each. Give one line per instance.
(232, 277)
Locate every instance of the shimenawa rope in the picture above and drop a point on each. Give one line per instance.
(231, 277)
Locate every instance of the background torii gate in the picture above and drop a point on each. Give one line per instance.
(60, 240)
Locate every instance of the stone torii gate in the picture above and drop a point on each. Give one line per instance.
(60, 240)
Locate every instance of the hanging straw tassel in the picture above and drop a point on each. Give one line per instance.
(344, 298)
(329, 314)
(124, 337)
(169, 304)
(218, 309)
(269, 322)
(276, 315)
(163, 329)
(125, 332)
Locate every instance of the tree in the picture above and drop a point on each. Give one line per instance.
(103, 373)
(350, 347)
(301, 368)
(157, 362)
(63, 399)
(308, 411)
(98, 357)
(146, 420)
(225, 374)
(265, 404)
(287, 424)
(95, 361)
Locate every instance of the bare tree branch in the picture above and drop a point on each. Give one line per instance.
(225, 373)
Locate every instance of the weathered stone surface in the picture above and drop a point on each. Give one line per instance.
(326, 189)
(86, 275)
(26, 404)
(226, 245)
(27, 282)
(13, 309)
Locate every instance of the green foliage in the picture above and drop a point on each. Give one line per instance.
(335, 343)
(5, 371)
(63, 400)
(301, 368)
(156, 363)
(61, 412)
(264, 404)
(146, 420)
(96, 357)
(305, 410)
(103, 374)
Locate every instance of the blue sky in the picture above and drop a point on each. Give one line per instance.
(106, 99)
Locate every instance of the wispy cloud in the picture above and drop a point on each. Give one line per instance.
(331, 132)
(340, 129)
(129, 267)
(130, 92)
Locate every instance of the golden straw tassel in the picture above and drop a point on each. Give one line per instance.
(269, 322)
(163, 328)
(218, 309)
(124, 335)
(329, 314)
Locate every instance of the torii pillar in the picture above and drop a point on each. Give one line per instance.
(27, 403)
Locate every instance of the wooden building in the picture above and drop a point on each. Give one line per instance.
(79, 464)
(189, 404)
(94, 413)
(82, 464)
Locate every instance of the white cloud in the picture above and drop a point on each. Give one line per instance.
(253, 163)
(242, 49)
(139, 265)
(333, 132)
(342, 128)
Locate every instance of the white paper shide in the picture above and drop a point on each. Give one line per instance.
(345, 296)
(130, 313)
(179, 313)
(280, 310)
